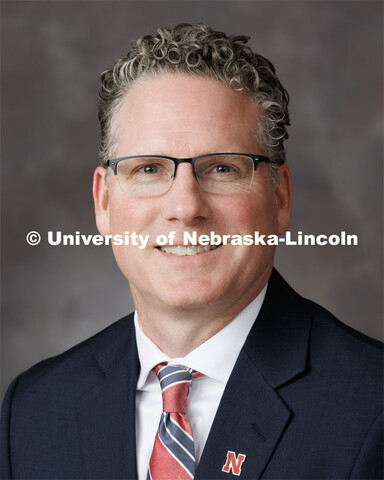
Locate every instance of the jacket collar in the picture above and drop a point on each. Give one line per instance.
(278, 342)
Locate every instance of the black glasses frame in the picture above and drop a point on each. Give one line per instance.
(192, 160)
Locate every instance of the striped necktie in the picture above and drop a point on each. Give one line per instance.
(173, 454)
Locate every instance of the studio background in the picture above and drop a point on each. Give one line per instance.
(329, 56)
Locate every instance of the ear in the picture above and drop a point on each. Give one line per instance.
(283, 195)
(101, 200)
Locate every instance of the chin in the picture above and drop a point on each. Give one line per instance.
(190, 298)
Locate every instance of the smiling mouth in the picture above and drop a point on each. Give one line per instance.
(190, 250)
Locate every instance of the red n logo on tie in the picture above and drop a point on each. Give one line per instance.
(233, 463)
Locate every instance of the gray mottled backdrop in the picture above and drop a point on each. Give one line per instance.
(329, 56)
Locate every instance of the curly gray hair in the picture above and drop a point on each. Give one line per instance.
(199, 50)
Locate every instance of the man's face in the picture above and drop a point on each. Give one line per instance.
(183, 116)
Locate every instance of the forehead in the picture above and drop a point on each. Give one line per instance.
(184, 111)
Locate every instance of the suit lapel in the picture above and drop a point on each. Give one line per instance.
(107, 412)
(252, 417)
(249, 421)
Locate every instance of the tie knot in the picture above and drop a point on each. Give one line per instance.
(175, 382)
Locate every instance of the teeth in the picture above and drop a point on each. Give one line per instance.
(181, 250)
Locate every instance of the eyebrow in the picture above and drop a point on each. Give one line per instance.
(162, 153)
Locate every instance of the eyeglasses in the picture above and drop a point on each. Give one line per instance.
(150, 175)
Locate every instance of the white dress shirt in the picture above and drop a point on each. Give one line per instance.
(215, 358)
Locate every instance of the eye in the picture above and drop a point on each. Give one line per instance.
(222, 169)
(149, 169)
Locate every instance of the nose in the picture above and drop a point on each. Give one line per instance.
(186, 201)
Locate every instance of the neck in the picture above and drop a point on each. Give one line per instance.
(179, 330)
(177, 336)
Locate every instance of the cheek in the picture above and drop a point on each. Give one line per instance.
(251, 212)
(130, 215)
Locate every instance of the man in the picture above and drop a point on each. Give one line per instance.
(223, 370)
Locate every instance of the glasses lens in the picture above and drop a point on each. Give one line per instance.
(145, 176)
(225, 173)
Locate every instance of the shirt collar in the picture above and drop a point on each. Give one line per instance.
(214, 358)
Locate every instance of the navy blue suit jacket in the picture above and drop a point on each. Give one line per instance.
(304, 401)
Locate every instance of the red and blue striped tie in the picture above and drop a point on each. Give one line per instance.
(173, 455)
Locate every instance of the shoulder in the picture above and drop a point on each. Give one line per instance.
(76, 369)
(344, 386)
(334, 359)
(341, 348)
(334, 391)
(40, 412)
(332, 345)
(343, 374)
